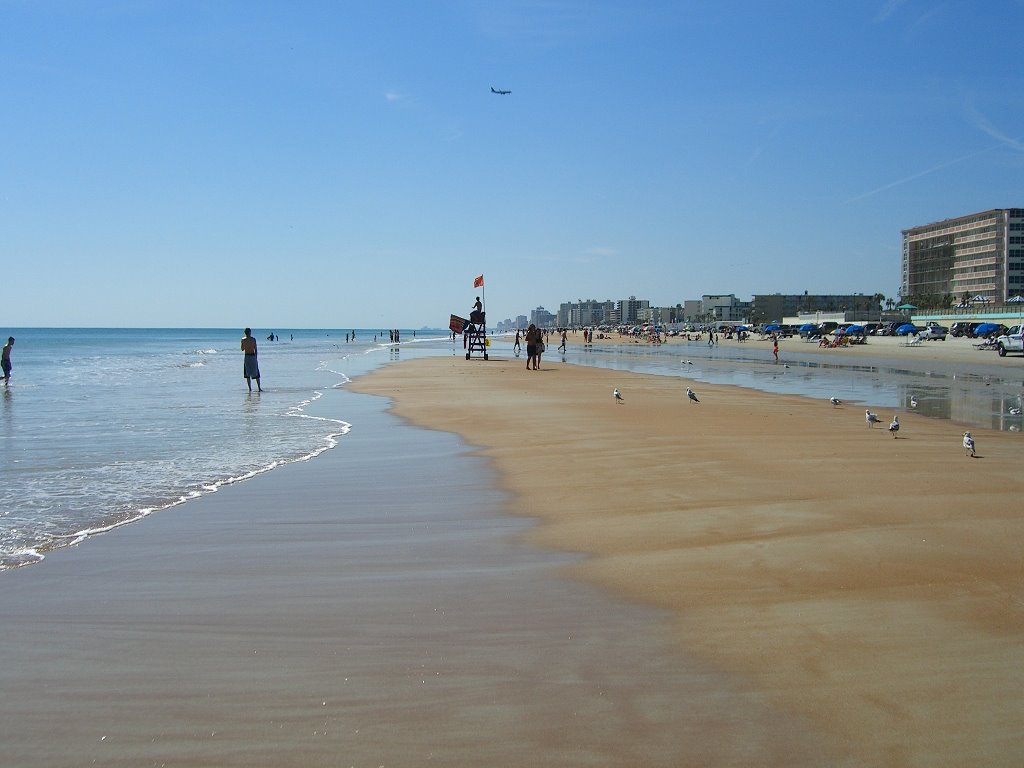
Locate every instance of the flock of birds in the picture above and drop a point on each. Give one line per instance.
(870, 417)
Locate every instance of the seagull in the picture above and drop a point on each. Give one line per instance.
(835, 401)
(913, 402)
(895, 426)
(968, 443)
(686, 362)
(692, 395)
(1015, 411)
(618, 396)
(871, 418)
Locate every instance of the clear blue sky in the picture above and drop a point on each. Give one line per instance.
(335, 164)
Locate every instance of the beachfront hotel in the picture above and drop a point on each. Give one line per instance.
(981, 254)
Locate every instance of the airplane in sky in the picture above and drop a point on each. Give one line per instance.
(500, 93)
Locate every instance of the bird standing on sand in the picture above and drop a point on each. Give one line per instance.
(871, 418)
(968, 444)
(618, 396)
(692, 395)
(835, 401)
(894, 427)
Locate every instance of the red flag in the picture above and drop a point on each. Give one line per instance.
(478, 281)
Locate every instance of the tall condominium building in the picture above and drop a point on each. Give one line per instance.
(977, 255)
(577, 314)
(632, 310)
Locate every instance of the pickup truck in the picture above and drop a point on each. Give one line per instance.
(1010, 341)
(933, 331)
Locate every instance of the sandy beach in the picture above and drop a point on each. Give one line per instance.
(544, 577)
(867, 584)
(374, 606)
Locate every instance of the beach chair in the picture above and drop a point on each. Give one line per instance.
(917, 341)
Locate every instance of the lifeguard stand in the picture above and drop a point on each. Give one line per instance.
(474, 335)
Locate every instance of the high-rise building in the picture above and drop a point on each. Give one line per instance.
(631, 310)
(542, 318)
(981, 254)
(578, 314)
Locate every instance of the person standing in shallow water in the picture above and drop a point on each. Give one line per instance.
(250, 367)
(5, 359)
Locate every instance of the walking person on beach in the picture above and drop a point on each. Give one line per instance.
(516, 347)
(775, 347)
(250, 366)
(5, 359)
(562, 345)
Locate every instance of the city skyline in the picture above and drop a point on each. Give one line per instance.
(326, 165)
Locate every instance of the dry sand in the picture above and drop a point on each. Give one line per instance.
(872, 586)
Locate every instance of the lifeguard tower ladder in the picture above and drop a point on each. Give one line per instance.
(474, 337)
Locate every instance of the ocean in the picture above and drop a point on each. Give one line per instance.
(101, 427)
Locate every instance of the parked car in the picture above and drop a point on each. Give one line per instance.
(933, 331)
(1011, 341)
(962, 328)
(887, 329)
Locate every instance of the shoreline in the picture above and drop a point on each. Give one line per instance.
(959, 354)
(881, 603)
(373, 607)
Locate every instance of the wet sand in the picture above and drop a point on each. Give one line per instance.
(375, 606)
(868, 586)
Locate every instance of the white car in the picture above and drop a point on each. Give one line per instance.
(1011, 341)
(933, 331)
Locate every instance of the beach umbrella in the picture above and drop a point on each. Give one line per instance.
(906, 328)
(986, 328)
(771, 327)
(808, 327)
(981, 299)
(742, 328)
(906, 306)
(854, 329)
(1018, 299)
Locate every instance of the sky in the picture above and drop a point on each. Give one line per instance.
(332, 164)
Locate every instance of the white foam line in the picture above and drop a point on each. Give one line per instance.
(330, 441)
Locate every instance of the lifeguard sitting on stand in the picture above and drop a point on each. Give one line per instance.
(474, 335)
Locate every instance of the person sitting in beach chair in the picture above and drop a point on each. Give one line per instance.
(824, 341)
